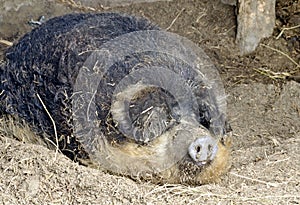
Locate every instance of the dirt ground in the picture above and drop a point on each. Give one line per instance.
(263, 110)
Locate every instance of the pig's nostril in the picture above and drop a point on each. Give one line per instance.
(209, 148)
(198, 148)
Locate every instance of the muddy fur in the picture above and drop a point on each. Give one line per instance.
(46, 63)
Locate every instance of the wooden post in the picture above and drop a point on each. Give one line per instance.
(256, 20)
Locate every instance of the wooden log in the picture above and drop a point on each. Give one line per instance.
(256, 20)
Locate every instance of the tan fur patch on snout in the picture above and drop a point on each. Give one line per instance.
(219, 166)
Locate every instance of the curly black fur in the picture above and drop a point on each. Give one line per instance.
(47, 60)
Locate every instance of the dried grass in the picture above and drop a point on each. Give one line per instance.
(6, 43)
(78, 6)
(29, 176)
(282, 53)
(286, 29)
(175, 19)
